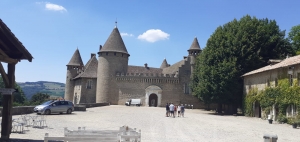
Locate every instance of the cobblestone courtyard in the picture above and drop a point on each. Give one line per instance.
(197, 125)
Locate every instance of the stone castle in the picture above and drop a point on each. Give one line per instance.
(111, 80)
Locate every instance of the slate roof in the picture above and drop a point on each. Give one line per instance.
(195, 45)
(141, 69)
(284, 63)
(114, 43)
(76, 59)
(164, 64)
(90, 69)
(172, 69)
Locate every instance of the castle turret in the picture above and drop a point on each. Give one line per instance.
(194, 51)
(164, 64)
(195, 48)
(113, 59)
(74, 67)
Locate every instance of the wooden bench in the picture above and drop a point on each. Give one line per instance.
(124, 134)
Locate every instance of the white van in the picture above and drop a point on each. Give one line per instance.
(136, 102)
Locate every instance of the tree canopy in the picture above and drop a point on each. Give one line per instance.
(294, 37)
(38, 98)
(233, 49)
(18, 96)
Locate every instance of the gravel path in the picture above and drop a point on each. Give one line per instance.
(197, 125)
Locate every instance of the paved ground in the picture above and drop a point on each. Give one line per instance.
(197, 125)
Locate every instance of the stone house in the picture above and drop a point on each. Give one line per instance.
(109, 79)
(268, 76)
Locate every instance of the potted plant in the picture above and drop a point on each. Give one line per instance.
(294, 122)
(270, 121)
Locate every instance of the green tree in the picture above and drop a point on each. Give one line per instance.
(294, 37)
(18, 96)
(233, 49)
(38, 98)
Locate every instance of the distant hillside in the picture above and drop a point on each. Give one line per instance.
(51, 88)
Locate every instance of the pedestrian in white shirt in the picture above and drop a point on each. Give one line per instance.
(172, 110)
(178, 109)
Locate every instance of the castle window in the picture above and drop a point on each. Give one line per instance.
(291, 80)
(106, 53)
(186, 88)
(89, 84)
(115, 53)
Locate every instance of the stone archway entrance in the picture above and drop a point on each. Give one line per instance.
(153, 100)
(153, 95)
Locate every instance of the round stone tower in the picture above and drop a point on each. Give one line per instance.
(194, 51)
(74, 67)
(113, 59)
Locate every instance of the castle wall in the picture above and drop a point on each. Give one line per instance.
(134, 88)
(88, 93)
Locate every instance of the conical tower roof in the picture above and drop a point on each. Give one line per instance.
(164, 64)
(76, 59)
(114, 43)
(195, 45)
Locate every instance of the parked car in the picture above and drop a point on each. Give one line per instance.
(55, 107)
(136, 102)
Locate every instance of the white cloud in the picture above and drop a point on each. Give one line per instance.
(126, 34)
(53, 7)
(154, 35)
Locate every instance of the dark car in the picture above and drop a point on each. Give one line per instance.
(55, 107)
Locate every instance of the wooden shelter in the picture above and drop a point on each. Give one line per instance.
(11, 52)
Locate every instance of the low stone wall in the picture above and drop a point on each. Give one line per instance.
(79, 108)
(20, 110)
(88, 105)
(29, 109)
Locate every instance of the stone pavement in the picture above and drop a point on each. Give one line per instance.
(197, 125)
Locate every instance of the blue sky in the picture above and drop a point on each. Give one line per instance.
(152, 30)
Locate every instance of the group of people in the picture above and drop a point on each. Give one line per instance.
(173, 110)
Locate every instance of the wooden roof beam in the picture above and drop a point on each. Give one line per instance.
(2, 52)
(4, 75)
(8, 60)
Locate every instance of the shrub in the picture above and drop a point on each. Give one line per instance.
(282, 119)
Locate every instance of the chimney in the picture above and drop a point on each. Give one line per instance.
(92, 54)
(100, 47)
(146, 65)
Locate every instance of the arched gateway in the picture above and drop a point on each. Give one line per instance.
(153, 96)
(153, 100)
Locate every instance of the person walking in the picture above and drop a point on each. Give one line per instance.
(178, 109)
(182, 110)
(167, 110)
(172, 110)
